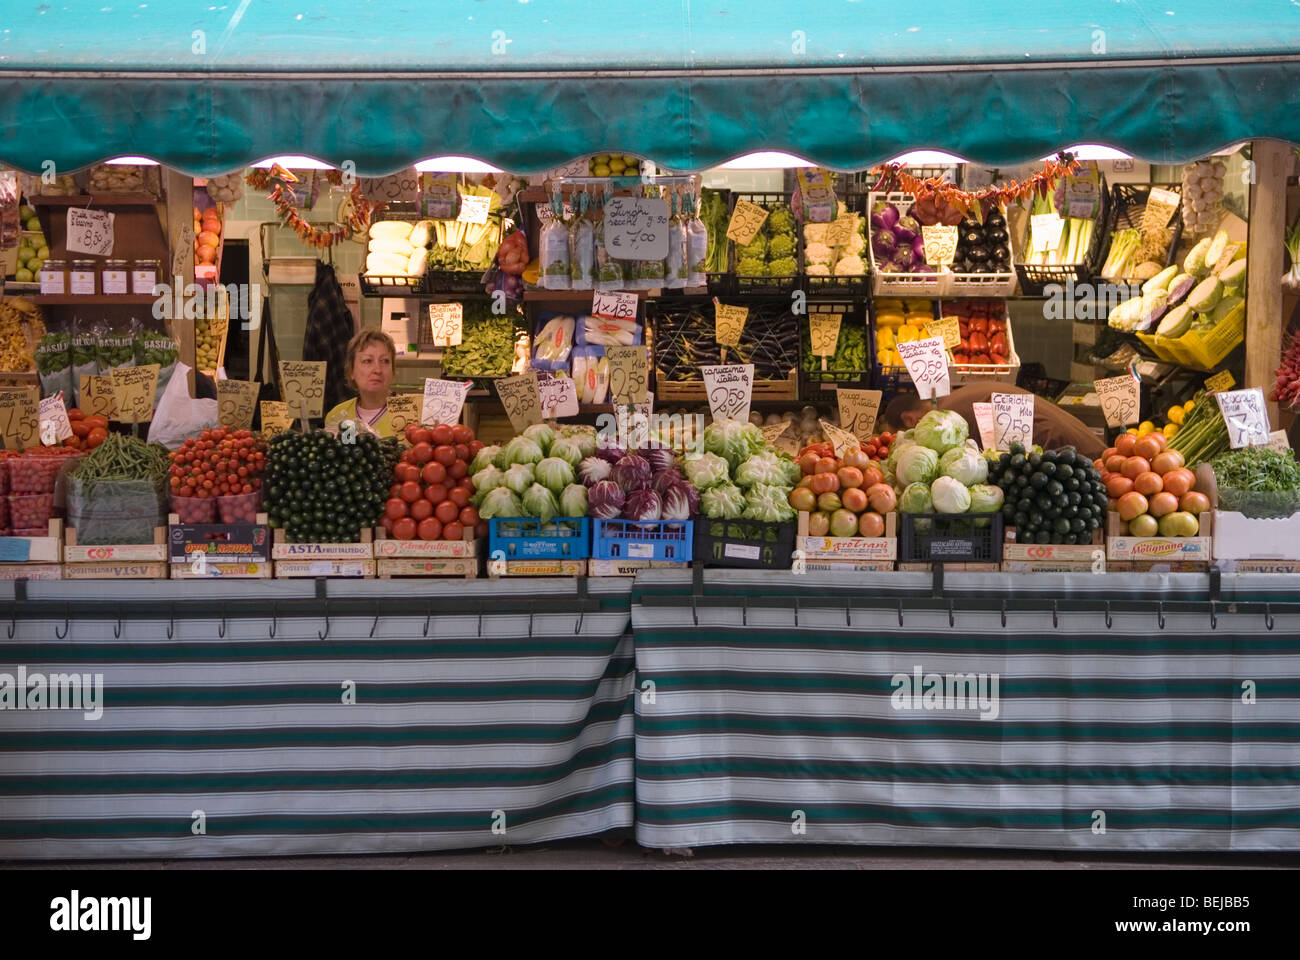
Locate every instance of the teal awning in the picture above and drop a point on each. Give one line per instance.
(208, 86)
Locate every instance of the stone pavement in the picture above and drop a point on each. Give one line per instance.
(614, 854)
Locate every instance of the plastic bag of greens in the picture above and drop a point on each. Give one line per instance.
(54, 364)
(154, 347)
(553, 254)
(609, 271)
(582, 254)
(115, 511)
(85, 354)
(697, 246)
(117, 347)
(675, 263)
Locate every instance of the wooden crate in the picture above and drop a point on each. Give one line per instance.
(228, 544)
(43, 550)
(223, 571)
(692, 391)
(847, 566)
(629, 568)
(31, 571)
(464, 567)
(125, 553)
(1053, 557)
(467, 548)
(315, 567)
(1145, 550)
(116, 570)
(951, 567)
(860, 549)
(282, 549)
(537, 568)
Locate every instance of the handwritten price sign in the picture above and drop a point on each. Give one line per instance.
(947, 329)
(1013, 419)
(984, 422)
(1223, 380)
(95, 396)
(446, 319)
(236, 403)
(90, 231)
(403, 410)
(927, 365)
(840, 232)
(304, 387)
(53, 417)
(746, 220)
(773, 431)
(824, 333)
(475, 209)
(615, 306)
(629, 373)
(443, 400)
(858, 411)
(729, 388)
(841, 440)
(1119, 398)
(728, 323)
(559, 397)
(133, 392)
(522, 400)
(275, 417)
(1045, 231)
(636, 228)
(19, 420)
(940, 243)
(1246, 416)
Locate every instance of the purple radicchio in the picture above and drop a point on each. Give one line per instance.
(592, 469)
(677, 502)
(665, 479)
(605, 500)
(660, 456)
(643, 505)
(631, 473)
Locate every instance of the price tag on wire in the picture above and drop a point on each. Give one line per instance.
(522, 400)
(940, 242)
(947, 329)
(629, 373)
(858, 410)
(53, 416)
(95, 396)
(236, 403)
(134, 389)
(746, 220)
(443, 400)
(446, 320)
(984, 423)
(1223, 380)
(275, 417)
(403, 410)
(824, 334)
(614, 306)
(19, 419)
(927, 365)
(842, 440)
(1013, 419)
(559, 397)
(729, 388)
(304, 387)
(728, 323)
(474, 209)
(1119, 398)
(1246, 417)
(89, 231)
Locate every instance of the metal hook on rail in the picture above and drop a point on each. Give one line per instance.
(428, 615)
(577, 627)
(1160, 614)
(848, 611)
(13, 623)
(1268, 615)
(1107, 614)
(374, 625)
(695, 612)
(322, 636)
(171, 620)
(900, 613)
(1004, 614)
(221, 631)
(951, 619)
(1214, 618)
(532, 609)
(1055, 621)
(796, 611)
(275, 616)
(117, 630)
(744, 612)
(67, 618)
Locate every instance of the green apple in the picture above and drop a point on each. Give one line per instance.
(33, 224)
(24, 276)
(25, 212)
(25, 253)
(42, 252)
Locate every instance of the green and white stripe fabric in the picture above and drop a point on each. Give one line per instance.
(758, 730)
(473, 736)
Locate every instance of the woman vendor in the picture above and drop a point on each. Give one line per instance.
(370, 362)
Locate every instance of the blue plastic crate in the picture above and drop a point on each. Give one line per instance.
(527, 538)
(670, 540)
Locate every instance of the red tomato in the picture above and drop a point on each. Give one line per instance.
(446, 511)
(1118, 485)
(855, 499)
(849, 477)
(1149, 445)
(1149, 484)
(441, 435)
(445, 454)
(435, 493)
(462, 452)
(410, 432)
(404, 529)
(475, 446)
(468, 516)
(1163, 503)
(1125, 444)
(458, 470)
(420, 435)
(1134, 466)
(434, 472)
(1179, 480)
(453, 531)
(808, 462)
(420, 509)
(407, 472)
(871, 525)
(825, 465)
(387, 523)
(422, 453)
(458, 496)
(395, 490)
(410, 491)
(1132, 504)
(429, 529)
(395, 509)
(461, 434)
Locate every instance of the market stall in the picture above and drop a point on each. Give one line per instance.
(645, 393)
(312, 718)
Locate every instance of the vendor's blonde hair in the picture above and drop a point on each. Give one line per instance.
(363, 339)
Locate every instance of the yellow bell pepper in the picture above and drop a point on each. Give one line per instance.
(908, 333)
(885, 338)
(890, 318)
(919, 320)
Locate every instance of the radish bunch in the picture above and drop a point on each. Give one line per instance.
(1286, 389)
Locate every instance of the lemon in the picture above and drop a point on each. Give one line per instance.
(602, 158)
(616, 167)
(1188, 405)
(1146, 426)
(600, 170)
(1175, 415)
(1132, 430)
(1171, 429)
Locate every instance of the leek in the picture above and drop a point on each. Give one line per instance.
(1291, 279)
(1124, 245)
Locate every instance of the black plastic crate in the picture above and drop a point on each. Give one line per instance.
(453, 281)
(950, 538)
(820, 384)
(1034, 278)
(1124, 198)
(387, 285)
(853, 286)
(744, 543)
(766, 285)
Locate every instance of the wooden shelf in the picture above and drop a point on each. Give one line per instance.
(68, 300)
(97, 200)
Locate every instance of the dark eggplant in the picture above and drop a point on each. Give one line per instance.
(995, 219)
(1000, 254)
(978, 254)
(995, 236)
(970, 237)
(970, 223)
